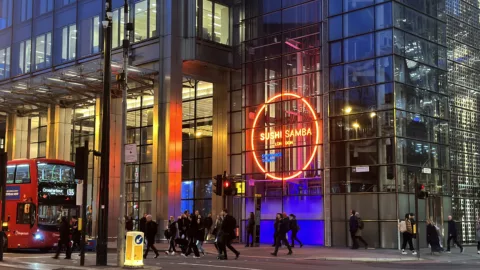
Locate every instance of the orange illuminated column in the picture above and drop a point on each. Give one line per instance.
(297, 134)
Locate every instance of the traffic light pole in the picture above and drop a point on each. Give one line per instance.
(84, 204)
(417, 242)
(102, 238)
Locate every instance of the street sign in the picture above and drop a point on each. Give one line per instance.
(361, 169)
(131, 155)
(427, 170)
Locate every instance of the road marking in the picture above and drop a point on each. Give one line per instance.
(16, 266)
(218, 266)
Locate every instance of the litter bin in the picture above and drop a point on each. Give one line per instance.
(134, 250)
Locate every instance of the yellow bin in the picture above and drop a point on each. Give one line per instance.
(134, 250)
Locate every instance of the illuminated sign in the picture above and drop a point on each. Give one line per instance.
(298, 138)
(12, 193)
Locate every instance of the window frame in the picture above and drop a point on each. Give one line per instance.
(31, 213)
(29, 174)
(47, 41)
(149, 14)
(48, 6)
(67, 47)
(200, 17)
(24, 64)
(8, 12)
(26, 8)
(5, 54)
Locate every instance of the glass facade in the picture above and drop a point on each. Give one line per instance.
(197, 134)
(38, 136)
(462, 37)
(139, 174)
(213, 21)
(281, 114)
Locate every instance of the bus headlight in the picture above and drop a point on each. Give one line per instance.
(5, 226)
(37, 236)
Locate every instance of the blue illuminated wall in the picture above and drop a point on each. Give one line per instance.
(307, 209)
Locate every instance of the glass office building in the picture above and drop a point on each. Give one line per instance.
(313, 107)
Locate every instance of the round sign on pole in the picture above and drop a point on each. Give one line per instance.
(286, 149)
(138, 240)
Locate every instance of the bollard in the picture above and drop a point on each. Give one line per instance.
(134, 250)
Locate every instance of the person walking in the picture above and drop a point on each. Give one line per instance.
(173, 233)
(353, 224)
(218, 234)
(294, 228)
(208, 226)
(64, 239)
(275, 231)
(432, 237)
(405, 227)
(281, 237)
(151, 228)
(358, 234)
(200, 235)
(228, 228)
(192, 235)
(452, 234)
(128, 224)
(478, 235)
(250, 228)
(75, 234)
(142, 224)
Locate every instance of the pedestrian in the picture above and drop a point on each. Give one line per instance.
(186, 223)
(64, 238)
(358, 234)
(128, 224)
(218, 233)
(478, 235)
(405, 227)
(75, 234)
(452, 234)
(208, 226)
(229, 225)
(142, 224)
(250, 228)
(282, 230)
(173, 235)
(294, 228)
(353, 224)
(200, 235)
(432, 237)
(191, 235)
(414, 225)
(275, 230)
(151, 228)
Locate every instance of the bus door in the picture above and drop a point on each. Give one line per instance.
(21, 234)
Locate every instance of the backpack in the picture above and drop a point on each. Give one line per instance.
(402, 226)
(360, 223)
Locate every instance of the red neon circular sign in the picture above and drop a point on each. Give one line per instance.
(286, 133)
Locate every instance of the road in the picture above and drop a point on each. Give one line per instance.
(251, 259)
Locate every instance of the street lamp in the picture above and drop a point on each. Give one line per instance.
(348, 109)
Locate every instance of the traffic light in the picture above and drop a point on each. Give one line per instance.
(229, 188)
(421, 193)
(217, 187)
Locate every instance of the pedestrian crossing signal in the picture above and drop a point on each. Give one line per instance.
(421, 192)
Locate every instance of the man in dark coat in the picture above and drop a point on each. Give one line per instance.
(250, 229)
(192, 239)
(275, 231)
(229, 225)
(151, 228)
(64, 238)
(294, 228)
(283, 228)
(353, 222)
(208, 225)
(142, 224)
(75, 234)
(452, 234)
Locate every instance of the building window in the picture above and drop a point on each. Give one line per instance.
(69, 42)
(25, 54)
(89, 35)
(44, 6)
(26, 11)
(197, 140)
(118, 25)
(4, 63)
(215, 22)
(145, 20)
(43, 51)
(38, 137)
(5, 13)
(139, 174)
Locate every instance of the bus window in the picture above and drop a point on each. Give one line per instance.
(55, 173)
(10, 174)
(23, 213)
(22, 175)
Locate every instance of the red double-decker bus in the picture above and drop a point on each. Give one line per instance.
(39, 192)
